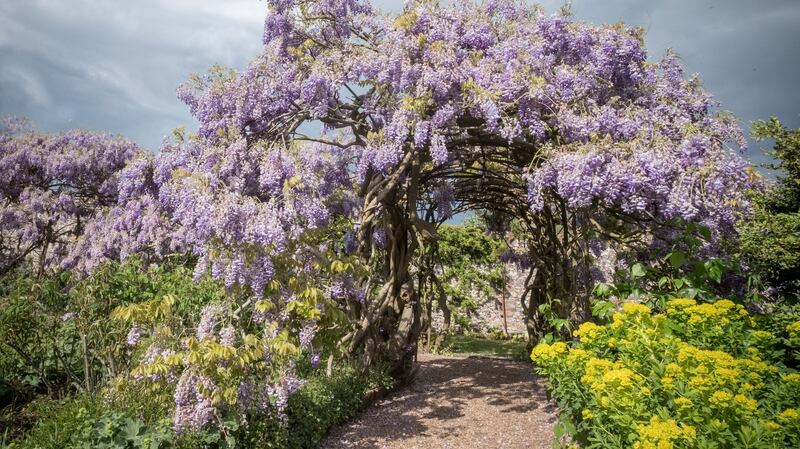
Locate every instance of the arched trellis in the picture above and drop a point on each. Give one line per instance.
(557, 243)
(562, 127)
(493, 106)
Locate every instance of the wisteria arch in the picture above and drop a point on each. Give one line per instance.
(562, 127)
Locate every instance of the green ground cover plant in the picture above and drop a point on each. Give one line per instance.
(482, 346)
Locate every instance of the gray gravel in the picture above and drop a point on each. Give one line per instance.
(456, 402)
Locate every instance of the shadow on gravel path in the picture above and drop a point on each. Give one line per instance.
(456, 402)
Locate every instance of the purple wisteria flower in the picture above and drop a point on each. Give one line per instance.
(227, 336)
(193, 408)
(208, 321)
(134, 335)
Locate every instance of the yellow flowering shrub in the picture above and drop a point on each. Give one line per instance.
(698, 375)
(662, 434)
(589, 333)
(794, 333)
(712, 325)
(549, 352)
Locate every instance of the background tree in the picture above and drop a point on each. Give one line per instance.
(770, 242)
(52, 187)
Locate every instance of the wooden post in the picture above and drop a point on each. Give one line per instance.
(505, 321)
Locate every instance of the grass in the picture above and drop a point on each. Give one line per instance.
(471, 345)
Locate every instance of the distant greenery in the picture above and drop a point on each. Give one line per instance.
(469, 260)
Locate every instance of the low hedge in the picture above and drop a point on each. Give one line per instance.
(321, 404)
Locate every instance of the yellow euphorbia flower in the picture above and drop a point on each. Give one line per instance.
(763, 336)
(789, 415)
(588, 332)
(680, 303)
(634, 308)
(673, 368)
(721, 399)
(793, 377)
(544, 354)
(661, 433)
(794, 330)
(747, 403)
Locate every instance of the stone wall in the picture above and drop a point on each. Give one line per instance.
(489, 313)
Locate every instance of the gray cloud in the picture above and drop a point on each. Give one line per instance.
(115, 65)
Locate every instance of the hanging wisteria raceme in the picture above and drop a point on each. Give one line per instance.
(51, 188)
(613, 128)
(673, 163)
(233, 206)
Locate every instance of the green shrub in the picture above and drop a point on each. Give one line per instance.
(55, 332)
(700, 375)
(56, 337)
(769, 241)
(315, 409)
(92, 421)
(37, 346)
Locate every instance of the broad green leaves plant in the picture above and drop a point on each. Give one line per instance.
(679, 273)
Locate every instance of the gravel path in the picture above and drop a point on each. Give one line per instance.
(456, 402)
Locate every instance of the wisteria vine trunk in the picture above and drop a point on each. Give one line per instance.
(390, 322)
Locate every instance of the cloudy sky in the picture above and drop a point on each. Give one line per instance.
(114, 65)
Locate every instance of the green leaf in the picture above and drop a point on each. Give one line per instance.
(705, 232)
(676, 258)
(602, 309)
(602, 289)
(690, 292)
(131, 429)
(638, 270)
(714, 270)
